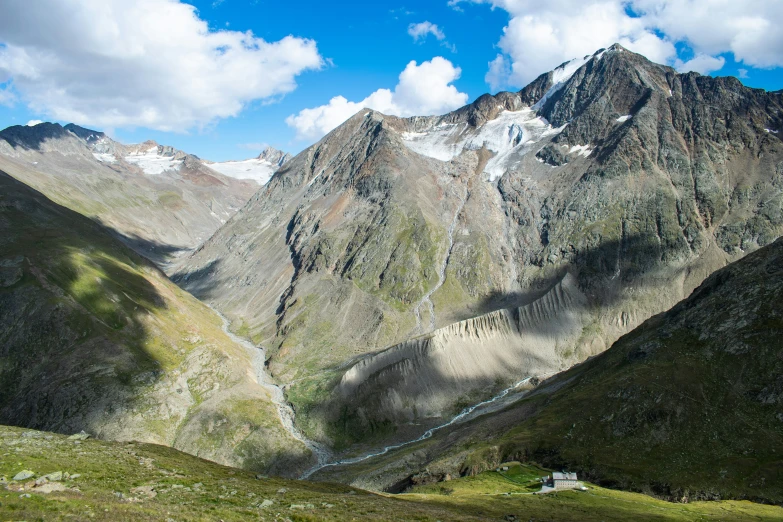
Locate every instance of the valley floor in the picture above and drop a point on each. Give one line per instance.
(133, 481)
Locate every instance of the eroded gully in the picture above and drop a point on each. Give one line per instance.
(441, 274)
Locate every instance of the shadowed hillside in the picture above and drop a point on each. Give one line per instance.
(94, 337)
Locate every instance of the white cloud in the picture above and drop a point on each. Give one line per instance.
(743, 73)
(33, 123)
(421, 30)
(702, 63)
(422, 89)
(7, 97)
(253, 146)
(499, 72)
(541, 35)
(150, 63)
(750, 29)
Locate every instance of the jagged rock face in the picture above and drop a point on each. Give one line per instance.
(275, 157)
(636, 180)
(159, 200)
(93, 337)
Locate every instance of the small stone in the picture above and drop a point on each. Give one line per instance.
(82, 435)
(266, 503)
(41, 481)
(144, 491)
(75, 476)
(24, 475)
(25, 495)
(282, 491)
(57, 476)
(51, 487)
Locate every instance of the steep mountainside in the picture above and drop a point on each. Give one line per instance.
(158, 200)
(94, 337)
(545, 224)
(687, 405)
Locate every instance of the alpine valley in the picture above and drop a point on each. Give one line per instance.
(581, 275)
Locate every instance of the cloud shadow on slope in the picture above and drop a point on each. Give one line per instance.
(74, 343)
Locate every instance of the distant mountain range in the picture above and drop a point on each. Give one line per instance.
(160, 200)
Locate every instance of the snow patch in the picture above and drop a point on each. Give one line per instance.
(583, 150)
(258, 170)
(623, 119)
(104, 158)
(560, 76)
(508, 136)
(772, 131)
(152, 163)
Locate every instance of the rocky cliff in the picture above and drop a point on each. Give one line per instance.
(636, 180)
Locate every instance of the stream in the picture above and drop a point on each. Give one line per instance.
(463, 415)
(323, 455)
(284, 409)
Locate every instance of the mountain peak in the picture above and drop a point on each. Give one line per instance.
(33, 137)
(274, 156)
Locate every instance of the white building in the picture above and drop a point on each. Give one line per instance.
(564, 481)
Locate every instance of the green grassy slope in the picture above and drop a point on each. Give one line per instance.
(133, 481)
(94, 337)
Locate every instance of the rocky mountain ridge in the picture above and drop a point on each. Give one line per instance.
(637, 181)
(159, 200)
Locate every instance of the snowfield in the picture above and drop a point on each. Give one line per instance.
(152, 163)
(509, 136)
(258, 170)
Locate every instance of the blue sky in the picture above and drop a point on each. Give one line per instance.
(348, 49)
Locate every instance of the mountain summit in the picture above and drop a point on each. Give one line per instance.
(428, 262)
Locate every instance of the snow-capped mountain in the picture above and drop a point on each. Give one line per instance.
(401, 257)
(159, 200)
